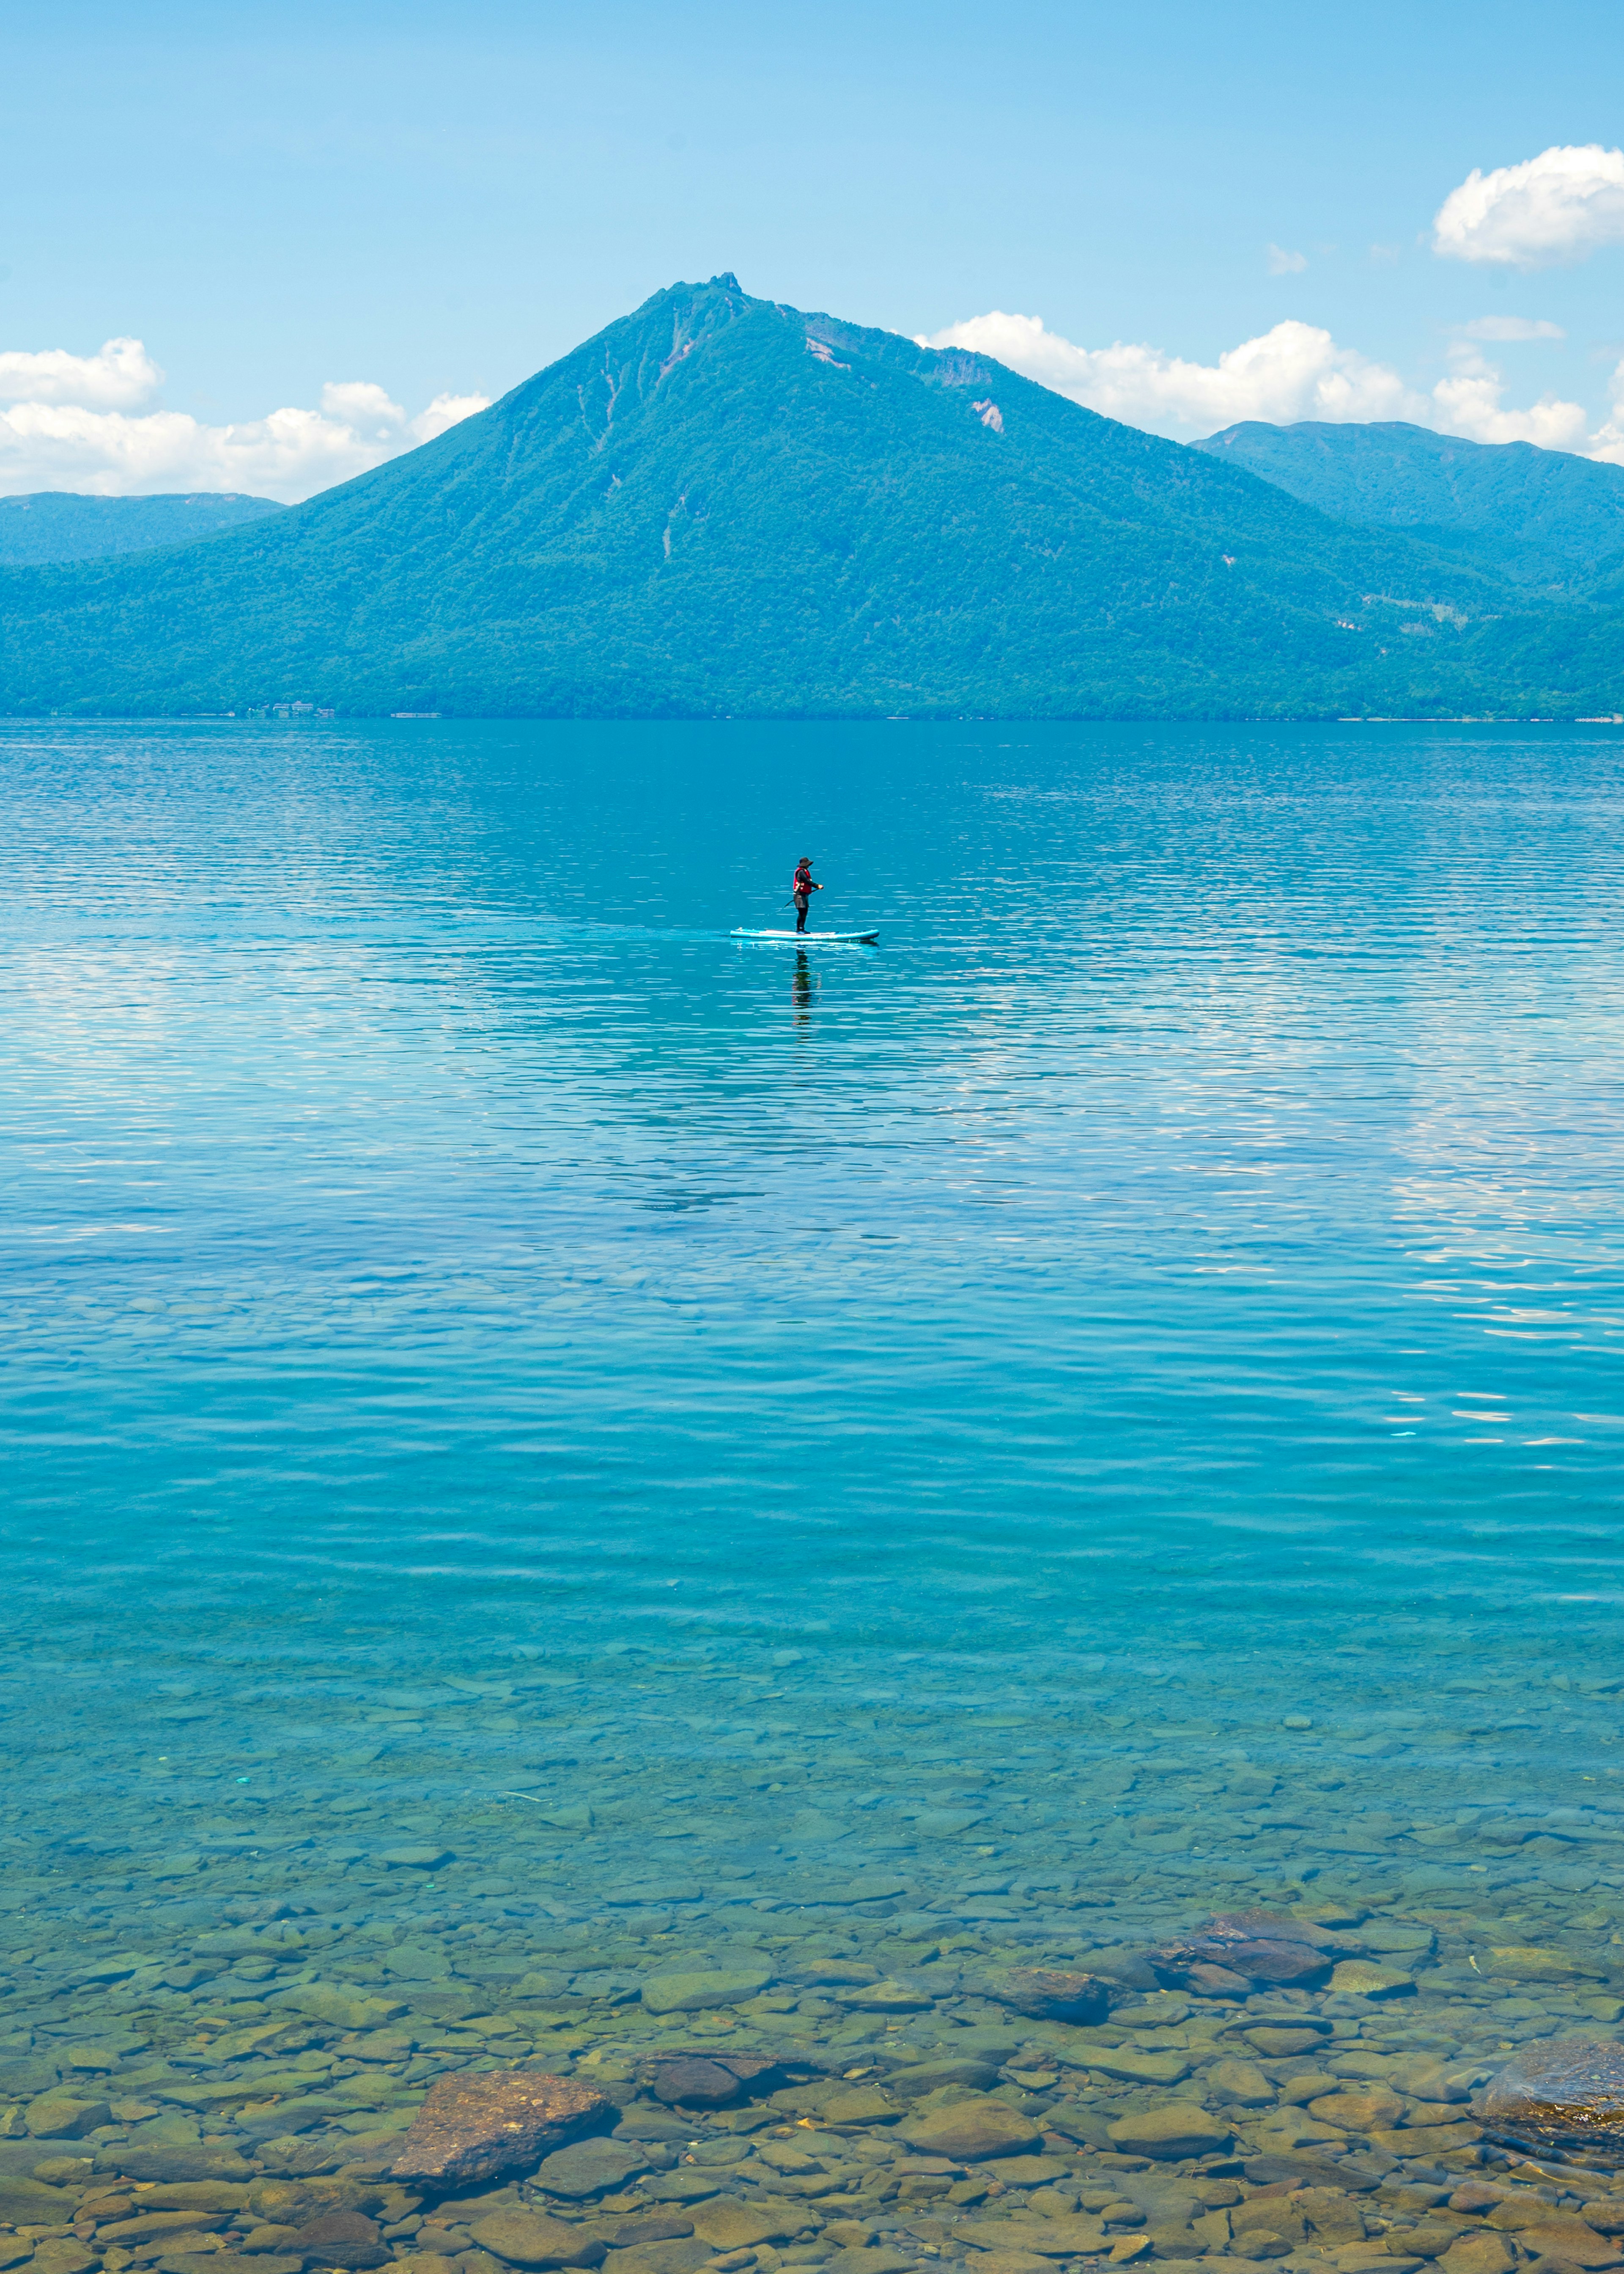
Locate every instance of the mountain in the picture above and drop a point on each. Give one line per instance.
(60, 525)
(721, 505)
(1542, 517)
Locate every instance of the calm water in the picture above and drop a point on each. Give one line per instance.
(1104, 1407)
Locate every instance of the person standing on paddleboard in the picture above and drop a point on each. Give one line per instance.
(802, 889)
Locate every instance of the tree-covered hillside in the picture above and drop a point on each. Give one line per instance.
(51, 525)
(1540, 516)
(720, 505)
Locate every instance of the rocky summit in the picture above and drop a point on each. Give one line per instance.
(723, 505)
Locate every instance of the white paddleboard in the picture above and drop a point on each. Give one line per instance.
(813, 939)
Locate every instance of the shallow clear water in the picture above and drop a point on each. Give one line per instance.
(1102, 1408)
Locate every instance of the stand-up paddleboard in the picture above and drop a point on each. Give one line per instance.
(813, 939)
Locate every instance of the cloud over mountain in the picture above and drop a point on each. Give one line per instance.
(73, 422)
(1294, 371)
(1561, 206)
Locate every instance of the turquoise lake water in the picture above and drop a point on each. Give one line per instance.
(532, 1421)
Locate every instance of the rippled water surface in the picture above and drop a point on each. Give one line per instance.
(537, 1428)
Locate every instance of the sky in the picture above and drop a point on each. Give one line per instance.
(263, 250)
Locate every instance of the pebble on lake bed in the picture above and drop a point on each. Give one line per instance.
(693, 1992)
(1170, 2131)
(1055, 1994)
(972, 2130)
(529, 2238)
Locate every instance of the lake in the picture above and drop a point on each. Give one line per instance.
(551, 1448)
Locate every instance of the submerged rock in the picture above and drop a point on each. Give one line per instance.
(884, 1998)
(591, 2167)
(346, 2009)
(920, 2077)
(1281, 1961)
(726, 2224)
(1055, 1994)
(692, 1993)
(1521, 1961)
(296, 2202)
(343, 2238)
(26, 2202)
(1217, 1981)
(1479, 2252)
(972, 2131)
(1363, 2108)
(863, 2103)
(1170, 2131)
(1252, 1947)
(64, 2115)
(1140, 2068)
(1278, 2041)
(710, 2080)
(1131, 1968)
(1362, 1978)
(476, 2128)
(1059, 2237)
(1241, 2083)
(181, 2161)
(61, 2255)
(1565, 2093)
(695, 2082)
(683, 2186)
(1274, 1926)
(529, 2238)
(679, 2255)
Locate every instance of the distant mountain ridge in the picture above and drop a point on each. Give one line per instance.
(1539, 516)
(57, 525)
(721, 505)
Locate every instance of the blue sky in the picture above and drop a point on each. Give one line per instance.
(436, 202)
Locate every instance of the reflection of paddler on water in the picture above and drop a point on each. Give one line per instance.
(800, 987)
(802, 889)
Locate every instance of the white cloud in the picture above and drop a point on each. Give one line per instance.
(1467, 402)
(121, 375)
(1560, 206)
(447, 411)
(1510, 327)
(1282, 263)
(357, 403)
(1608, 439)
(69, 427)
(1297, 370)
(1294, 371)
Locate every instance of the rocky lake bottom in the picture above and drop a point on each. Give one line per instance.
(247, 1979)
